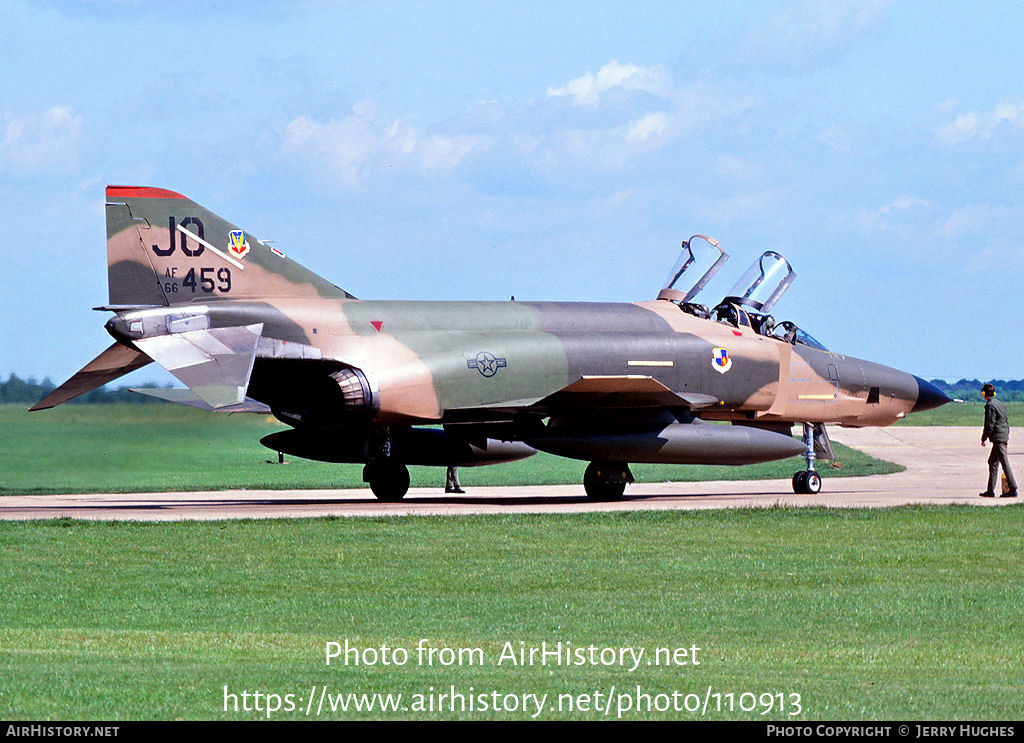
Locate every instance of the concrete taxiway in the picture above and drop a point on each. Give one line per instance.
(945, 465)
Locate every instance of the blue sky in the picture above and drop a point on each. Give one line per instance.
(476, 150)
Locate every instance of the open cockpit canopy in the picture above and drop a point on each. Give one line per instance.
(763, 283)
(752, 298)
(699, 253)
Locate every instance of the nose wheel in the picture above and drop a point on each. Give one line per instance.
(807, 482)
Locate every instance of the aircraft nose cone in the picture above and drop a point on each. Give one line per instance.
(928, 396)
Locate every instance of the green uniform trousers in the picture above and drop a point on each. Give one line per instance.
(998, 457)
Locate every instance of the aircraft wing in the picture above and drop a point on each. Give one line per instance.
(115, 362)
(627, 391)
(602, 393)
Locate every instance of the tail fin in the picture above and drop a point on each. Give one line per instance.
(164, 249)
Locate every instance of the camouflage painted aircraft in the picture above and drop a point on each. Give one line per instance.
(393, 383)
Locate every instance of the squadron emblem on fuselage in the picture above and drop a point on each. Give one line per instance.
(720, 360)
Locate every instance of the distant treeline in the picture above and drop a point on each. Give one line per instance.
(29, 391)
(19, 390)
(970, 389)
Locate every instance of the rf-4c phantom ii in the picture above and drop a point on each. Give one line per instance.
(393, 383)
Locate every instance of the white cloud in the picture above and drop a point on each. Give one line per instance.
(809, 33)
(638, 126)
(544, 137)
(588, 89)
(976, 221)
(876, 220)
(352, 148)
(39, 142)
(648, 127)
(982, 125)
(608, 148)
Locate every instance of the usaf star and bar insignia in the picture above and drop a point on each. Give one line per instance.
(486, 363)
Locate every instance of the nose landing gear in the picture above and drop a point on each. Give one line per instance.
(808, 482)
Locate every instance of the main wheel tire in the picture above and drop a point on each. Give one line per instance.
(388, 481)
(605, 481)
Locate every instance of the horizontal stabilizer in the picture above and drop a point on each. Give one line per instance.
(214, 363)
(188, 397)
(115, 362)
(628, 391)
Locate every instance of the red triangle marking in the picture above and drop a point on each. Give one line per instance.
(377, 324)
(736, 332)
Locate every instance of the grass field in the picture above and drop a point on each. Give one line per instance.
(151, 448)
(909, 613)
(962, 414)
(876, 614)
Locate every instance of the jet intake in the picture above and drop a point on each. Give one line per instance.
(676, 443)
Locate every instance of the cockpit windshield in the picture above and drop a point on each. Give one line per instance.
(789, 332)
(809, 340)
(700, 253)
(763, 283)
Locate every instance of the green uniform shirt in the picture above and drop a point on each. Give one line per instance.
(997, 425)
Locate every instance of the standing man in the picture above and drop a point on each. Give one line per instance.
(997, 430)
(451, 481)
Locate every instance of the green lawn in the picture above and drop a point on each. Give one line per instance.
(962, 414)
(151, 448)
(908, 613)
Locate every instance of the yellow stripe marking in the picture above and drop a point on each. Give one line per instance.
(817, 397)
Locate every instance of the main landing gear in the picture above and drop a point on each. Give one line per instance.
(808, 482)
(388, 480)
(606, 481)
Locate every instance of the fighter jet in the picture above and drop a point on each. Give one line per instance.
(393, 383)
